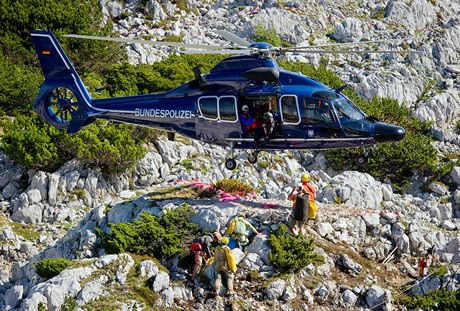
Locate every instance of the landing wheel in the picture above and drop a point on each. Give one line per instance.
(58, 107)
(252, 157)
(362, 160)
(230, 164)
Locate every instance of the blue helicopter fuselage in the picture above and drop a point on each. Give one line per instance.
(307, 114)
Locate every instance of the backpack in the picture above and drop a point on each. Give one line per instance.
(240, 227)
(230, 259)
(231, 226)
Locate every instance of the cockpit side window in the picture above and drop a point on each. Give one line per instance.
(317, 111)
(289, 109)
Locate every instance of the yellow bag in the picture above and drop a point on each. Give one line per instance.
(230, 259)
(312, 210)
(231, 226)
(209, 261)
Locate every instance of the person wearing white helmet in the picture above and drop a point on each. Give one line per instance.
(247, 121)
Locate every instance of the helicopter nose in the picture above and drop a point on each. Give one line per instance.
(388, 133)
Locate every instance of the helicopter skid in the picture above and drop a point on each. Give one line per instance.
(296, 143)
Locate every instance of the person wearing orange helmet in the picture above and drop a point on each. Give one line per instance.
(304, 206)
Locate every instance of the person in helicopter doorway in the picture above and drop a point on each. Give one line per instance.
(201, 247)
(264, 133)
(304, 207)
(247, 121)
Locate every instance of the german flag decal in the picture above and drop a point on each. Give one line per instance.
(46, 52)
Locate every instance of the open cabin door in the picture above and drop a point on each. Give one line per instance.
(217, 118)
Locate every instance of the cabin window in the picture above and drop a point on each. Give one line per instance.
(317, 111)
(290, 109)
(227, 108)
(208, 107)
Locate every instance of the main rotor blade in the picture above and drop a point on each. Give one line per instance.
(215, 52)
(351, 51)
(232, 38)
(342, 44)
(125, 40)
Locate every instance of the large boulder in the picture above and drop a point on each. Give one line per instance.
(353, 188)
(417, 14)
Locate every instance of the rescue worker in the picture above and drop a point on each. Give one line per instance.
(201, 248)
(239, 229)
(263, 132)
(247, 122)
(225, 267)
(305, 189)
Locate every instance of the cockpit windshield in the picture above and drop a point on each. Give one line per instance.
(346, 111)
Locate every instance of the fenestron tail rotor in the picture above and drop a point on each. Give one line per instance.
(59, 105)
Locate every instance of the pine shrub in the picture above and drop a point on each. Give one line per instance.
(233, 186)
(113, 148)
(291, 253)
(159, 237)
(48, 268)
(441, 299)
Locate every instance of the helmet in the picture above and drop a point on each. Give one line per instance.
(216, 236)
(224, 240)
(268, 115)
(245, 108)
(305, 177)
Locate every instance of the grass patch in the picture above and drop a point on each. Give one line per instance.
(179, 192)
(135, 288)
(28, 232)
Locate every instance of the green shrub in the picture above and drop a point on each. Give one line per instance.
(31, 143)
(49, 268)
(270, 36)
(233, 186)
(291, 253)
(160, 237)
(441, 299)
(114, 148)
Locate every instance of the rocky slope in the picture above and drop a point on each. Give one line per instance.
(362, 221)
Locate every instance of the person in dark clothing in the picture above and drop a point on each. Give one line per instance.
(201, 247)
(264, 131)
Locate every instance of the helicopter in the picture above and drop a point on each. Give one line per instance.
(304, 113)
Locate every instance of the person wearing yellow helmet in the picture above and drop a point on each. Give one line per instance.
(304, 206)
(225, 267)
(305, 178)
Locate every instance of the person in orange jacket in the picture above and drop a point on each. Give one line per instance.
(299, 218)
